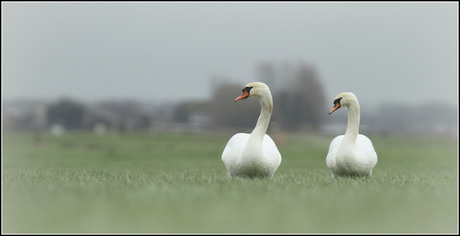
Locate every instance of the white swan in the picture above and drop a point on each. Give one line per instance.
(351, 154)
(255, 154)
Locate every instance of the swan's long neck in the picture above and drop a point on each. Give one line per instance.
(266, 104)
(352, 131)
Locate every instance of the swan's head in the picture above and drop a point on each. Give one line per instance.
(343, 100)
(254, 89)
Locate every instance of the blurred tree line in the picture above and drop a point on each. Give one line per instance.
(70, 114)
(299, 105)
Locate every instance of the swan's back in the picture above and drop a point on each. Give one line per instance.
(232, 157)
(345, 159)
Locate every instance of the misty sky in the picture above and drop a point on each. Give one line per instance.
(154, 51)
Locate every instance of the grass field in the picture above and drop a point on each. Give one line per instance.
(176, 183)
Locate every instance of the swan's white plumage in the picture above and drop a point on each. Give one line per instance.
(354, 160)
(254, 154)
(351, 154)
(263, 164)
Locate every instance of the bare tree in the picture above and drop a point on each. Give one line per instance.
(66, 112)
(298, 95)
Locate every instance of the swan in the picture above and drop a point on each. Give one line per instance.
(254, 154)
(351, 154)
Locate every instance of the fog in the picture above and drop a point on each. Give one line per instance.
(159, 52)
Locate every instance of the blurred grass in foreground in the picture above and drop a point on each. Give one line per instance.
(176, 183)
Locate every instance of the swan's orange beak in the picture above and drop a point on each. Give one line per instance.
(336, 106)
(244, 95)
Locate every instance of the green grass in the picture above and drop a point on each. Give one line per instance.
(176, 183)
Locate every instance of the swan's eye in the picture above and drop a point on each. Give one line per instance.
(337, 101)
(247, 89)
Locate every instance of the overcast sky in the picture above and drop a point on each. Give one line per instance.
(154, 52)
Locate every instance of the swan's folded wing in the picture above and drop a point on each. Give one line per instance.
(367, 149)
(332, 153)
(271, 150)
(234, 148)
